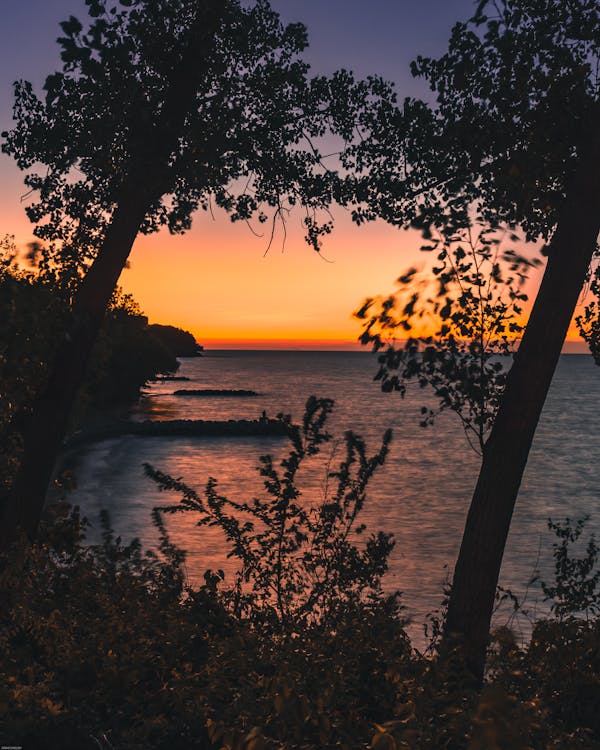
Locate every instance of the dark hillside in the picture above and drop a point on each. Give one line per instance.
(180, 342)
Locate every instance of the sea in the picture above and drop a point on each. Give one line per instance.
(421, 495)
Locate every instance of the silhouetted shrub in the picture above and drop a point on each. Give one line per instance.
(106, 647)
(303, 561)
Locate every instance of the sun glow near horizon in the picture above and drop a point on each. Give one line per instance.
(217, 282)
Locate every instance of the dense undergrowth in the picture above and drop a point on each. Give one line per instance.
(106, 646)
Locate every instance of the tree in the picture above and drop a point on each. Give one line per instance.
(161, 107)
(181, 343)
(513, 135)
(588, 323)
(33, 312)
(125, 356)
(300, 566)
(453, 327)
(29, 316)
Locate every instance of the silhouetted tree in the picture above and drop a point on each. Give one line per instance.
(181, 343)
(126, 355)
(514, 135)
(588, 323)
(453, 327)
(32, 315)
(161, 107)
(29, 316)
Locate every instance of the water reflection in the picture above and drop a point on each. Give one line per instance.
(421, 495)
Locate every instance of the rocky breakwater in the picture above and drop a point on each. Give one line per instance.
(211, 392)
(262, 427)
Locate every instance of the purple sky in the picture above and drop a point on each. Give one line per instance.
(375, 36)
(378, 36)
(366, 36)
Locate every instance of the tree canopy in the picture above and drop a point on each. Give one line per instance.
(515, 106)
(162, 107)
(247, 140)
(511, 137)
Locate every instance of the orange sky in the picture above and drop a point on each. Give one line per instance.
(214, 280)
(217, 282)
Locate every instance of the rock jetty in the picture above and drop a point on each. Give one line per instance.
(182, 428)
(167, 378)
(214, 392)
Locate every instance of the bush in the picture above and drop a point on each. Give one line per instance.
(96, 642)
(106, 647)
(106, 644)
(301, 563)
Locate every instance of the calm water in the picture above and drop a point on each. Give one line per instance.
(421, 494)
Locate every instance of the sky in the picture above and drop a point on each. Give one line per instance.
(217, 281)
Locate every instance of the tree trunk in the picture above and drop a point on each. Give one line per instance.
(506, 451)
(45, 426)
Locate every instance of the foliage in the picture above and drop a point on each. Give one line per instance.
(514, 112)
(454, 327)
(33, 311)
(277, 663)
(30, 312)
(543, 694)
(181, 343)
(511, 136)
(96, 644)
(126, 355)
(515, 109)
(588, 323)
(104, 646)
(558, 672)
(30, 315)
(300, 561)
(576, 579)
(245, 137)
(161, 108)
(314, 690)
(99, 646)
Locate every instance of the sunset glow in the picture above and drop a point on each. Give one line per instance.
(219, 282)
(216, 280)
(317, 469)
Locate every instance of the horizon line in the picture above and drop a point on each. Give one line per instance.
(281, 344)
(569, 346)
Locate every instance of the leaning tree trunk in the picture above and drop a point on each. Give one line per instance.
(506, 451)
(46, 424)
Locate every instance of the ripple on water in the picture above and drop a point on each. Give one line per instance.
(421, 495)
